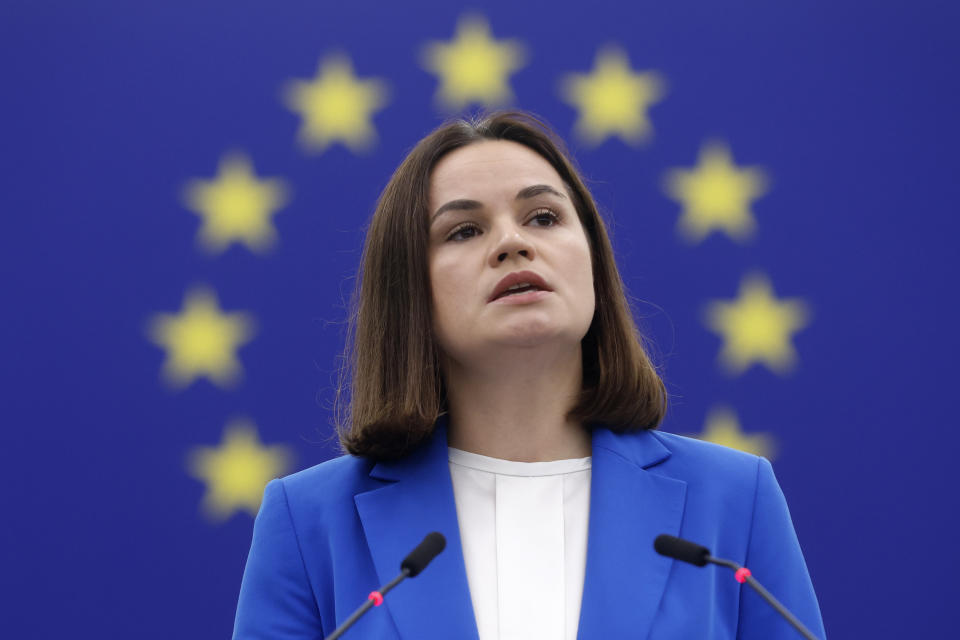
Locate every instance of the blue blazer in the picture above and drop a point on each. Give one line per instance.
(327, 536)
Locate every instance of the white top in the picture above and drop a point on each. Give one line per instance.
(523, 528)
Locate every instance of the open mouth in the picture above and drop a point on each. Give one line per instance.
(518, 290)
(519, 284)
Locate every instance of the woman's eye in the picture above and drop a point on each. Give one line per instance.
(463, 232)
(546, 218)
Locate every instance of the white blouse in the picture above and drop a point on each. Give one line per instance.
(523, 528)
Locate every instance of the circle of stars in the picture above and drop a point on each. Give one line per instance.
(337, 107)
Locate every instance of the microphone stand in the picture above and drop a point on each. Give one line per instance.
(373, 600)
(415, 562)
(742, 574)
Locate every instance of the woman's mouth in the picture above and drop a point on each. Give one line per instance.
(519, 284)
(521, 296)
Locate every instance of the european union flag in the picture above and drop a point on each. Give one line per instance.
(186, 188)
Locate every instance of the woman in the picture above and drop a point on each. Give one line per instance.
(501, 396)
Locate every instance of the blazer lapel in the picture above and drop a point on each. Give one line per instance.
(629, 507)
(396, 517)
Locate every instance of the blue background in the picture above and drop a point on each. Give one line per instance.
(109, 108)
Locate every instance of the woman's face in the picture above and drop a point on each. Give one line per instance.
(498, 208)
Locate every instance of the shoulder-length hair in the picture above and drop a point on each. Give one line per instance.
(391, 360)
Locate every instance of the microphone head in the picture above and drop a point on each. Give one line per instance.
(680, 549)
(426, 551)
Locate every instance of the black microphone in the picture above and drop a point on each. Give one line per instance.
(426, 551)
(686, 551)
(415, 562)
(680, 549)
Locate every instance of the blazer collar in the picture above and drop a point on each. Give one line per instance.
(625, 578)
(395, 519)
(630, 505)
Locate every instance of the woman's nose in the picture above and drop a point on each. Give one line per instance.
(512, 243)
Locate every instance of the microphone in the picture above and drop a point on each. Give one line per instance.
(680, 549)
(419, 558)
(693, 553)
(415, 562)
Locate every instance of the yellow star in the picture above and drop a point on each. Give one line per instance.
(236, 207)
(473, 67)
(716, 195)
(200, 340)
(612, 99)
(757, 327)
(237, 471)
(722, 427)
(336, 106)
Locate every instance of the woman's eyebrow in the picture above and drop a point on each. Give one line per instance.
(468, 205)
(536, 190)
(456, 205)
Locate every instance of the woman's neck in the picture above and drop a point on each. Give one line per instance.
(515, 409)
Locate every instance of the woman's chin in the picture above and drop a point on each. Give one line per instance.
(494, 340)
(531, 335)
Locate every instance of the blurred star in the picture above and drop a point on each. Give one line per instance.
(200, 340)
(722, 427)
(236, 206)
(757, 327)
(237, 471)
(612, 100)
(716, 195)
(473, 67)
(336, 106)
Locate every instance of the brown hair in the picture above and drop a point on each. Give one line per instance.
(392, 360)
